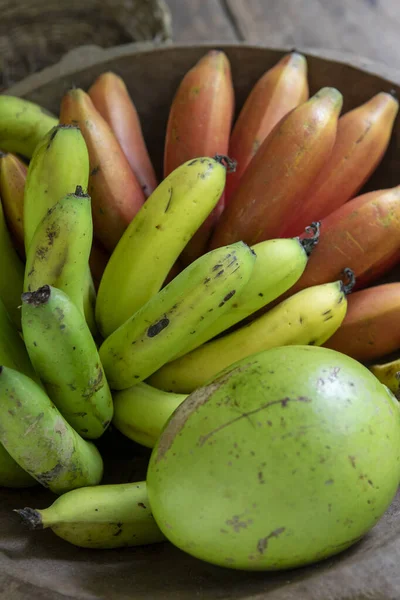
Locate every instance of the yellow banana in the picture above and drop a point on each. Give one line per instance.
(141, 411)
(65, 356)
(38, 438)
(11, 273)
(184, 308)
(59, 164)
(155, 238)
(59, 252)
(279, 264)
(389, 374)
(22, 125)
(309, 317)
(104, 516)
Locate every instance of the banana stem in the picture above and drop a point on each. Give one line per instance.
(350, 276)
(229, 163)
(30, 517)
(309, 243)
(38, 297)
(79, 193)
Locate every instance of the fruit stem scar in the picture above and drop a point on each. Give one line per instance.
(351, 280)
(309, 243)
(229, 163)
(40, 296)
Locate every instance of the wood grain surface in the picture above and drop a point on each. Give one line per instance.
(366, 28)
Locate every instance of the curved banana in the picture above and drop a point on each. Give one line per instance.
(11, 273)
(389, 374)
(141, 411)
(65, 356)
(309, 317)
(59, 252)
(22, 125)
(12, 185)
(105, 516)
(13, 354)
(59, 164)
(279, 264)
(37, 437)
(183, 309)
(155, 238)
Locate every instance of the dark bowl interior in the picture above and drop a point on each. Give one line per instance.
(41, 566)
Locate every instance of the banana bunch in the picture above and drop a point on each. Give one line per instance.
(122, 293)
(310, 317)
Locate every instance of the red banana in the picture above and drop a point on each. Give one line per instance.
(278, 177)
(116, 193)
(363, 234)
(98, 260)
(110, 96)
(362, 138)
(371, 328)
(12, 185)
(275, 94)
(199, 124)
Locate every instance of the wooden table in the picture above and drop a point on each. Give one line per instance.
(368, 28)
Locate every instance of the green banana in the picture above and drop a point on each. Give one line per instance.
(59, 252)
(59, 164)
(40, 440)
(279, 264)
(22, 125)
(141, 411)
(13, 352)
(155, 238)
(65, 356)
(309, 317)
(104, 516)
(11, 273)
(11, 474)
(198, 296)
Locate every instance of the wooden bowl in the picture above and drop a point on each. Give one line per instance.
(41, 566)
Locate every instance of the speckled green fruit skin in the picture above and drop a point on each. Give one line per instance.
(288, 457)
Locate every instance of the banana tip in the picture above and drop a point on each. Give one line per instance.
(38, 297)
(30, 517)
(229, 163)
(349, 275)
(309, 243)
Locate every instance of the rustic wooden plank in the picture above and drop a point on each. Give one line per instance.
(200, 21)
(365, 27)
